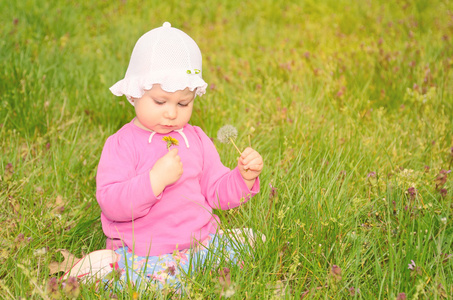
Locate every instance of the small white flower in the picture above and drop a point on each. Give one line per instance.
(444, 220)
(228, 292)
(352, 235)
(39, 252)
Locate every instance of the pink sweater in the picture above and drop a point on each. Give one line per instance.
(133, 216)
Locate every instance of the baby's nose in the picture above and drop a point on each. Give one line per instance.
(171, 112)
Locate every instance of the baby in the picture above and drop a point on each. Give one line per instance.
(159, 178)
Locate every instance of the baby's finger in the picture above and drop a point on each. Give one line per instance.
(255, 161)
(247, 152)
(251, 157)
(254, 166)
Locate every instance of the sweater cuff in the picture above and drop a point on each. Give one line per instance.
(255, 188)
(148, 190)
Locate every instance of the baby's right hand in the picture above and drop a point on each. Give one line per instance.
(167, 170)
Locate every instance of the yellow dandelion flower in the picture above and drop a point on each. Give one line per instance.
(170, 141)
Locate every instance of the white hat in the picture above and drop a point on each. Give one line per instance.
(165, 56)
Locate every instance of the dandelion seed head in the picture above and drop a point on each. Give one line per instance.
(226, 133)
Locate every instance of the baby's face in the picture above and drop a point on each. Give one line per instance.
(162, 111)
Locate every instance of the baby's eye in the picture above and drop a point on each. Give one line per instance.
(159, 102)
(183, 104)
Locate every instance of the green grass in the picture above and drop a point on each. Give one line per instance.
(328, 90)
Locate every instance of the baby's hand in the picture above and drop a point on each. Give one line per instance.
(250, 165)
(167, 170)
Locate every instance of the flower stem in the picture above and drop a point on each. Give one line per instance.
(231, 140)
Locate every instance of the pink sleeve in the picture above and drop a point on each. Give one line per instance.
(223, 188)
(122, 194)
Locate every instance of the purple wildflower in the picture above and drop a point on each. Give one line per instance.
(353, 291)
(53, 288)
(171, 268)
(335, 273)
(273, 192)
(445, 257)
(415, 270)
(9, 170)
(224, 277)
(60, 209)
(401, 296)
(441, 178)
(371, 174)
(20, 237)
(71, 288)
(412, 192)
(372, 178)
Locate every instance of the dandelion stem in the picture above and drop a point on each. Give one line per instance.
(231, 140)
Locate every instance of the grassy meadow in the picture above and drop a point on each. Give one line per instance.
(350, 104)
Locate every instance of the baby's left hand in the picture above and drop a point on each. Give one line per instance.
(250, 164)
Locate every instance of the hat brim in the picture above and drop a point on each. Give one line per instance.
(135, 87)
